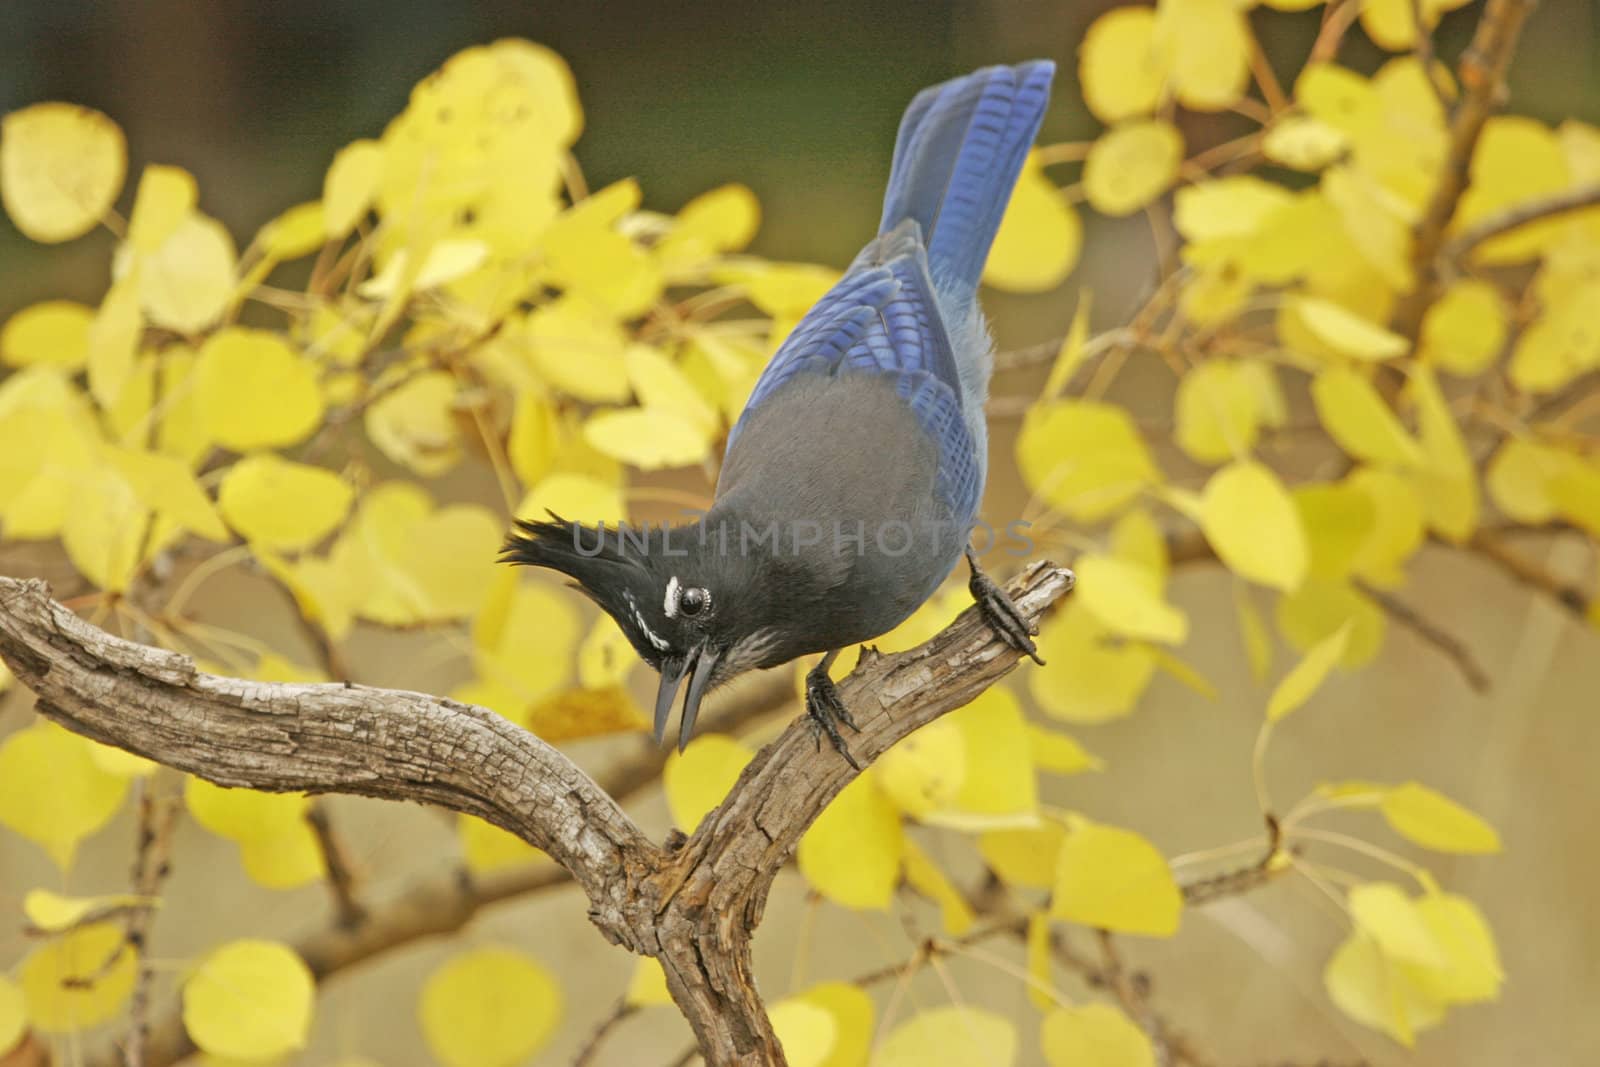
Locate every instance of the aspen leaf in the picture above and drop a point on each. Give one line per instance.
(1379, 228)
(104, 529)
(1472, 970)
(57, 1002)
(1234, 206)
(647, 438)
(923, 773)
(576, 498)
(53, 333)
(187, 282)
(1318, 609)
(1088, 678)
(114, 341)
(1253, 633)
(1024, 857)
(1575, 489)
(166, 197)
(1039, 955)
(165, 485)
(1085, 459)
(950, 1037)
(1094, 1033)
(1119, 67)
(1448, 485)
(349, 186)
(1251, 521)
(606, 657)
(1132, 164)
(489, 1007)
(1070, 355)
(1521, 476)
(254, 391)
(578, 350)
(61, 167)
(1377, 992)
(51, 791)
(853, 1015)
(414, 425)
(1463, 331)
(1397, 527)
(998, 786)
(1206, 48)
(1432, 820)
(1339, 521)
(297, 232)
(697, 779)
(1390, 918)
(1217, 412)
(1119, 594)
(487, 848)
(805, 1032)
(1060, 753)
(1347, 332)
(1113, 878)
(281, 504)
(250, 1000)
(601, 265)
(724, 219)
(923, 875)
(648, 986)
(1516, 159)
(1359, 421)
(445, 262)
(1559, 345)
(1303, 142)
(13, 1015)
(276, 844)
(851, 854)
(661, 385)
(534, 616)
(1040, 236)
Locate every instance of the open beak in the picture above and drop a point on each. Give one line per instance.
(698, 666)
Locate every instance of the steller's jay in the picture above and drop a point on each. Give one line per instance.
(852, 478)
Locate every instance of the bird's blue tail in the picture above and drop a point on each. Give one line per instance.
(960, 149)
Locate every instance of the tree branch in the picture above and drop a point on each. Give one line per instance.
(1577, 199)
(694, 909)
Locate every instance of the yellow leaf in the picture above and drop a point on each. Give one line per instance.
(648, 438)
(1085, 459)
(13, 1015)
(250, 1000)
(1206, 47)
(1251, 522)
(535, 616)
(1521, 479)
(1339, 521)
(853, 1016)
(1025, 858)
(1392, 24)
(61, 167)
(998, 787)
(578, 350)
(1472, 971)
(1253, 632)
(923, 773)
(1560, 344)
(187, 282)
(1516, 159)
(350, 184)
(1346, 332)
(119, 762)
(851, 854)
(114, 341)
(1303, 142)
(648, 986)
(1096, 1034)
(1464, 330)
(535, 438)
(1319, 609)
(1119, 594)
(182, 429)
(923, 875)
(54, 913)
(54, 333)
(1234, 206)
(489, 1007)
(254, 391)
(1060, 753)
(166, 197)
(1449, 484)
(281, 504)
(165, 485)
(414, 425)
(1432, 820)
(104, 529)
(1217, 412)
(1119, 67)
(1576, 492)
(1377, 992)
(697, 780)
(575, 713)
(1390, 918)
(1087, 678)
(1359, 420)
(950, 1037)
(593, 260)
(722, 220)
(58, 1000)
(1376, 222)
(1397, 528)
(1070, 356)
(487, 848)
(661, 385)
(606, 656)
(242, 814)
(1131, 165)
(297, 232)
(1039, 239)
(1113, 878)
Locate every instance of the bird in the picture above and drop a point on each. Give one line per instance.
(850, 482)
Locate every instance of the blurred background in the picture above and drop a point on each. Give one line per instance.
(800, 102)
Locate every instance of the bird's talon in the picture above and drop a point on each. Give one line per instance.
(827, 711)
(1000, 613)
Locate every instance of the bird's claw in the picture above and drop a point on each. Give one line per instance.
(827, 711)
(1000, 613)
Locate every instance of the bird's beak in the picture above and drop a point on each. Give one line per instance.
(673, 669)
(699, 681)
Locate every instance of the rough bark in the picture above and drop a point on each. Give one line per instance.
(693, 907)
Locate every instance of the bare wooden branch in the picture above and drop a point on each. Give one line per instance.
(1576, 199)
(693, 908)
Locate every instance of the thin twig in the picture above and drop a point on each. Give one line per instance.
(1434, 634)
(1568, 595)
(1584, 196)
(349, 912)
(613, 1018)
(1425, 56)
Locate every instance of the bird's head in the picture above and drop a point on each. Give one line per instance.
(689, 608)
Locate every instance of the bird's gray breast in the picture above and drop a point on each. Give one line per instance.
(840, 466)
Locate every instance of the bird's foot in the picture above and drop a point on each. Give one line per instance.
(1000, 613)
(827, 711)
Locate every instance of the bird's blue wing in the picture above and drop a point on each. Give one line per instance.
(881, 318)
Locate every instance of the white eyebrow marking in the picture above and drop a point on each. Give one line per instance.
(644, 627)
(670, 604)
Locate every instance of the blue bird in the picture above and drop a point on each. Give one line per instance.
(851, 480)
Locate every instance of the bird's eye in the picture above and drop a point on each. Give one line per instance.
(694, 601)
